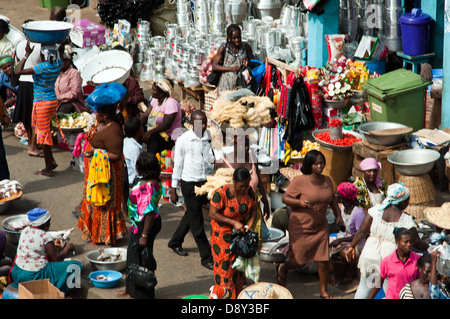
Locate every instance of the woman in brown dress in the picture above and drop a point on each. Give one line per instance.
(104, 223)
(309, 196)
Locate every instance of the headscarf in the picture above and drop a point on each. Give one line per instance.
(396, 194)
(6, 58)
(68, 53)
(164, 85)
(106, 95)
(347, 190)
(371, 163)
(38, 216)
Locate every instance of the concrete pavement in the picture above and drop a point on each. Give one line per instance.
(177, 276)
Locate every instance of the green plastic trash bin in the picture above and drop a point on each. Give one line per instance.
(398, 96)
(50, 4)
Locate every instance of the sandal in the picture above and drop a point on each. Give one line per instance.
(281, 282)
(122, 293)
(326, 297)
(43, 172)
(40, 154)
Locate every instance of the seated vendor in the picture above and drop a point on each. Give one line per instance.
(68, 86)
(39, 256)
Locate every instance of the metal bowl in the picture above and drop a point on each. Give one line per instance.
(47, 31)
(15, 35)
(414, 162)
(13, 235)
(332, 146)
(107, 67)
(275, 234)
(268, 254)
(384, 140)
(338, 105)
(119, 265)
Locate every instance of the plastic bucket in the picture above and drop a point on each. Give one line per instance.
(415, 32)
(378, 66)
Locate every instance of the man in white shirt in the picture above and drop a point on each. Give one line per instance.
(192, 158)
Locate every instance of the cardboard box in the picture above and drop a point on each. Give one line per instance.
(39, 289)
(86, 33)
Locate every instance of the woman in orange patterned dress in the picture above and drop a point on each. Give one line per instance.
(233, 206)
(105, 224)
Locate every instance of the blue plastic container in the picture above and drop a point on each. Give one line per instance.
(113, 278)
(415, 32)
(47, 32)
(378, 66)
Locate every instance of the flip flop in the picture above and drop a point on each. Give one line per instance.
(326, 297)
(43, 173)
(36, 155)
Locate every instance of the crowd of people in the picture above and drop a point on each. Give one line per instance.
(122, 186)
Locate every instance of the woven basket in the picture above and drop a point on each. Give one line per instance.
(265, 290)
(417, 210)
(290, 173)
(421, 189)
(439, 216)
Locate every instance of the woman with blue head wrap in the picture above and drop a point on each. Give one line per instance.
(379, 225)
(39, 256)
(101, 219)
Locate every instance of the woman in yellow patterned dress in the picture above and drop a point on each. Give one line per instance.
(103, 222)
(233, 206)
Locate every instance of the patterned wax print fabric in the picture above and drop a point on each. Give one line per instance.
(223, 200)
(144, 199)
(98, 187)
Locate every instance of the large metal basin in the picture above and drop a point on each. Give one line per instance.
(414, 162)
(384, 140)
(119, 265)
(108, 66)
(13, 235)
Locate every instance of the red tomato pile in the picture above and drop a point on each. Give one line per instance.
(335, 123)
(346, 140)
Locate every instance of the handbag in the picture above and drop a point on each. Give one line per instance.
(245, 244)
(214, 77)
(141, 276)
(246, 80)
(140, 271)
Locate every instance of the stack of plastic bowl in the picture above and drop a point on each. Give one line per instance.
(201, 16)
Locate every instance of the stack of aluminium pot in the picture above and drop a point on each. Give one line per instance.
(201, 16)
(371, 17)
(183, 13)
(217, 16)
(140, 45)
(348, 19)
(392, 35)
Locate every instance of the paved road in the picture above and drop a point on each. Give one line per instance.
(177, 276)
